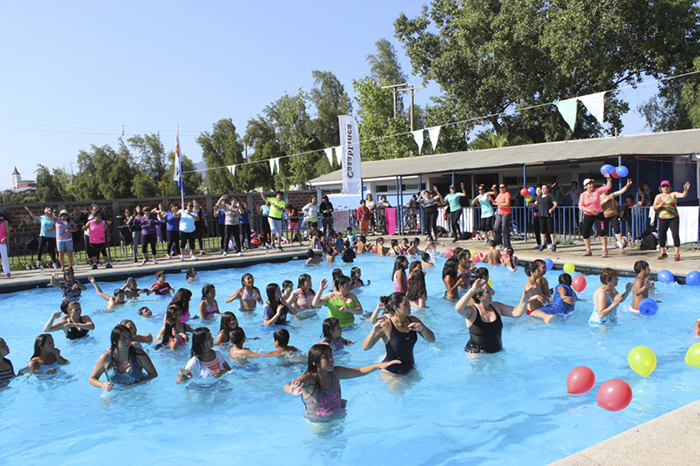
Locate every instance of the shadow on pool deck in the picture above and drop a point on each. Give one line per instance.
(671, 439)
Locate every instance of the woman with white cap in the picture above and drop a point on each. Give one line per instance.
(667, 212)
(589, 204)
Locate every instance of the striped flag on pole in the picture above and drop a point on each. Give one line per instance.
(177, 176)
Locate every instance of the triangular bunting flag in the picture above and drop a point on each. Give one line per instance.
(232, 169)
(418, 137)
(272, 166)
(567, 108)
(434, 134)
(277, 164)
(339, 154)
(329, 154)
(595, 103)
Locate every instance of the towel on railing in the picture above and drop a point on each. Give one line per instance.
(688, 224)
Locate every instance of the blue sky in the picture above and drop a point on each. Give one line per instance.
(73, 72)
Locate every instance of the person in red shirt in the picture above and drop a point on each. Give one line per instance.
(503, 216)
(161, 288)
(363, 216)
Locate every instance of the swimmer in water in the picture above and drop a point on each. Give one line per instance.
(123, 364)
(312, 258)
(47, 358)
(7, 372)
(342, 304)
(73, 324)
(69, 286)
(229, 322)
(248, 294)
(563, 302)
(113, 302)
(606, 298)
(208, 307)
(275, 309)
(281, 341)
(237, 351)
(333, 335)
(642, 284)
(206, 361)
(416, 292)
(319, 386)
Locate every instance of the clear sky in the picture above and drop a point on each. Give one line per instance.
(73, 72)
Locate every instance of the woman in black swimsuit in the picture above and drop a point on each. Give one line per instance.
(398, 330)
(483, 316)
(73, 323)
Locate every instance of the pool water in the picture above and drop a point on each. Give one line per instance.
(507, 408)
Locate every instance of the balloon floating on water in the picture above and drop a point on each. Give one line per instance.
(648, 307)
(549, 263)
(692, 357)
(642, 360)
(665, 276)
(693, 278)
(569, 267)
(614, 395)
(579, 283)
(580, 380)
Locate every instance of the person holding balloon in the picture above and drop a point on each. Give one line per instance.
(667, 212)
(610, 213)
(642, 283)
(589, 204)
(606, 299)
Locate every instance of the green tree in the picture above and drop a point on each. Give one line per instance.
(677, 106)
(495, 56)
(221, 148)
(104, 173)
(152, 159)
(53, 185)
(330, 99)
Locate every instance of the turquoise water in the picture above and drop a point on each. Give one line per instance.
(507, 408)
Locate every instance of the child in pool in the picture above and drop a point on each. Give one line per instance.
(206, 361)
(534, 271)
(493, 255)
(606, 298)
(509, 260)
(131, 289)
(563, 303)
(161, 287)
(395, 249)
(362, 247)
(173, 327)
(275, 309)
(356, 277)
(191, 274)
(381, 249)
(69, 286)
(349, 254)
(416, 292)
(208, 307)
(237, 351)
(405, 244)
(6, 370)
(319, 386)
(73, 323)
(413, 247)
(312, 258)
(431, 248)
(47, 358)
(426, 261)
(281, 341)
(136, 339)
(229, 322)
(113, 302)
(248, 294)
(642, 284)
(287, 289)
(332, 335)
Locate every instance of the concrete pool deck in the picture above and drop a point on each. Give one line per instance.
(671, 439)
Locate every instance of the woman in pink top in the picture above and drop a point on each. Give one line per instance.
(4, 239)
(98, 241)
(589, 204)
(503, 216)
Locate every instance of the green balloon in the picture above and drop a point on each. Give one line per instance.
(642, 360)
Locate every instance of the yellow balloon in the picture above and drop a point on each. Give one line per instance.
(642, 360)
(490, 283)
(569, 267)
(692, 357)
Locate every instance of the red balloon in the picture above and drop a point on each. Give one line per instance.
(374, 248)
(580, 380)
(614, 174)
(505, 256)
(449, 253)
(524, 192)
(579, 283)
(477, 257)
(614, 395)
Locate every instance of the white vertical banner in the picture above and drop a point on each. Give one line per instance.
(350, 140)
(434, 134)
(339, 155)
(329, 154)
(272, 166)
(595, 104)
(418, 137)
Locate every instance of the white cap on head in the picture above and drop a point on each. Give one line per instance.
(588, 180)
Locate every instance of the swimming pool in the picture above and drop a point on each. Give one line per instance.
(507, 408)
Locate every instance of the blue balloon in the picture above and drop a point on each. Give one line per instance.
(549, 263)
(665, 276)
(532, 191)
(693, 278)
(607, 168)
(622, 171)
(648, 307)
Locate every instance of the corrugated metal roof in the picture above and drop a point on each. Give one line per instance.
(686, 142)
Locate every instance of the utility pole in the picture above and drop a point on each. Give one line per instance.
(413, 90)
(394, 88)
